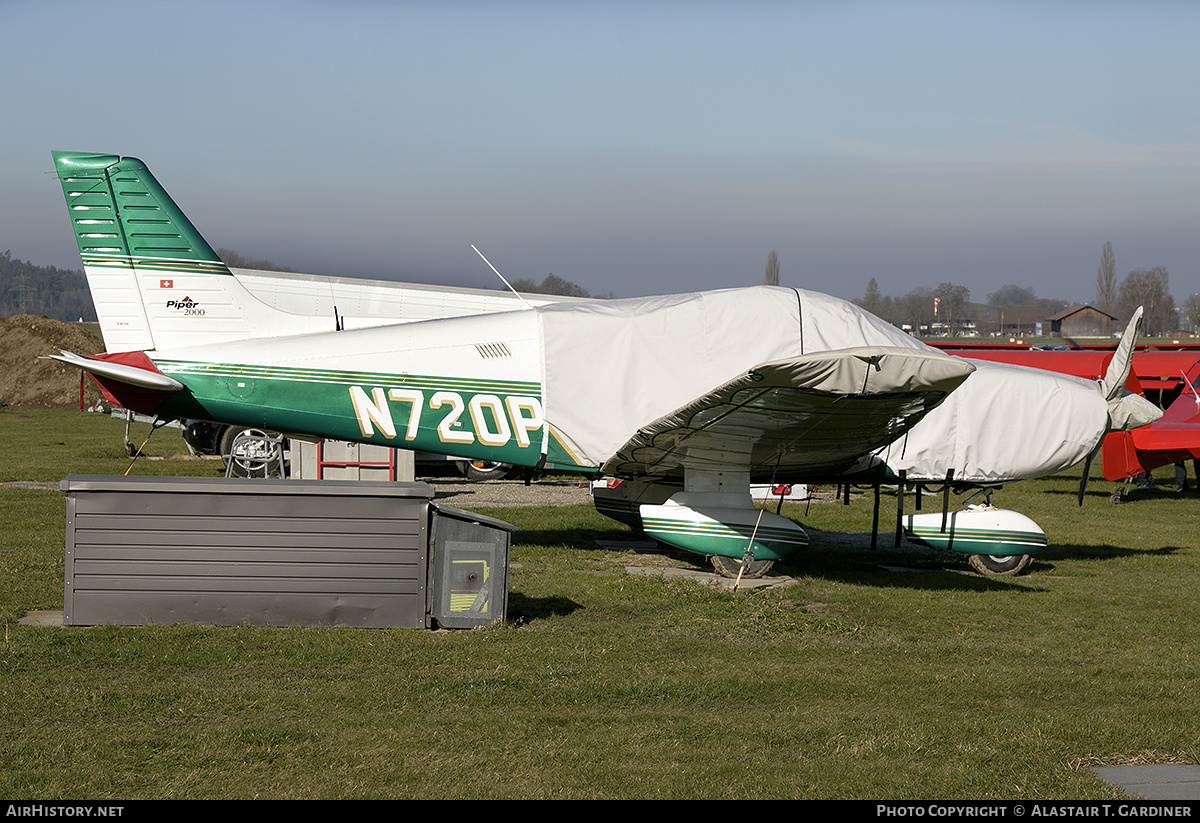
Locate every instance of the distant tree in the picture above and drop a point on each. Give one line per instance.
(236, 261)
(953, 306)
(1191, 311)
(1106, 280)
(771, 278)
(1006, 296)
(551, 284)
(883, 306)
(915, 309)
(60, 294)
(872, 297)
(1148, 289)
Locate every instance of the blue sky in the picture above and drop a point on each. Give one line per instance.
(634, 148)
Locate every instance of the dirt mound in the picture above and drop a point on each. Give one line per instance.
(28, 382)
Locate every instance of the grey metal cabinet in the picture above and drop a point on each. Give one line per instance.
(269, 552)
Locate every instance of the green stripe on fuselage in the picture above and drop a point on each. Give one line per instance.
(491, 419)
(186, 371)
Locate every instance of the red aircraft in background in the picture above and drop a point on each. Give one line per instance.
(1169, 377)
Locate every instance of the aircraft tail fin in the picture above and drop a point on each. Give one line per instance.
(156, 283)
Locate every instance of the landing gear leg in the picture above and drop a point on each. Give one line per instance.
(1119, 492)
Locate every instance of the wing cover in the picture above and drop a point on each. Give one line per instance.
(614, 367)
(804, 417)
(1005, 423)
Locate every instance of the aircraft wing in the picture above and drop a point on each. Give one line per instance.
(808, 416)
(1151, 370)
(1174, 438)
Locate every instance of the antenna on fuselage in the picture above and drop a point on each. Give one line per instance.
(501, 276)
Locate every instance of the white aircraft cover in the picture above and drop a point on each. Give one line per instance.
(615, 366)
(1004, 423)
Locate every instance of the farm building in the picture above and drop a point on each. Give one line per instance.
(1083, 320)
(1022, 321)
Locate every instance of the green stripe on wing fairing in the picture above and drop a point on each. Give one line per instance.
(725, 539)
(998, 542)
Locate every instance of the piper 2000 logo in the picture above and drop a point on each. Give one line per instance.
(187, 305)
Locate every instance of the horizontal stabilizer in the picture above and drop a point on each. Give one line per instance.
(142, 376)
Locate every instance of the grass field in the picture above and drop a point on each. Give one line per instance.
(880, 674)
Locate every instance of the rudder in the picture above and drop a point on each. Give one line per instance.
(156, 283)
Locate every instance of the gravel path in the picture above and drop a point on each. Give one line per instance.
(460, 493)
(465, 494)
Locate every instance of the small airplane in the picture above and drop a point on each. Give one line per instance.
(686, 399)
(1169, 375)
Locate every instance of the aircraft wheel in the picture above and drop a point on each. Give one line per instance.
(483, 469)
(730, 566)
(999, 564)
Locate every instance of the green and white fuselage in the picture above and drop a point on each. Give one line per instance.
(422, 386)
